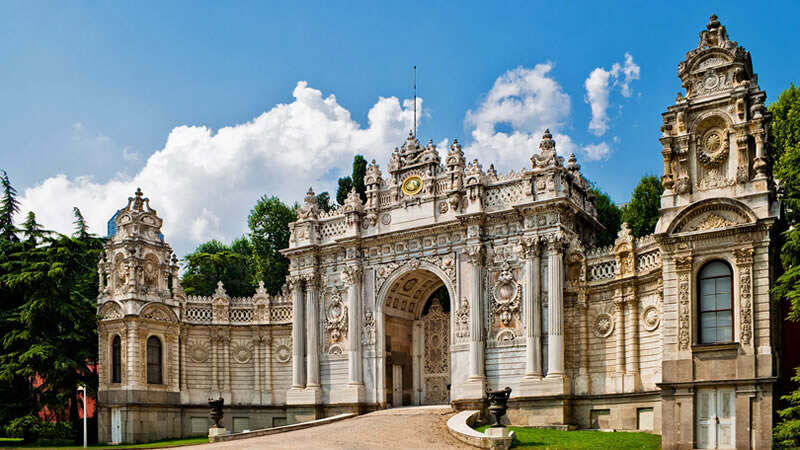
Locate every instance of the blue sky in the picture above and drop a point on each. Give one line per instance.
(101, 96)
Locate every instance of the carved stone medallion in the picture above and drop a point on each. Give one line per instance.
(603, 325)
(651, 318)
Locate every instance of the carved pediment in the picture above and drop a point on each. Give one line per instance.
(709, 215)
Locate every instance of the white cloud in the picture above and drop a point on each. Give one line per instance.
(597, 151)
(203, 183)
(598, 88)
(527, 101)
(130, 155)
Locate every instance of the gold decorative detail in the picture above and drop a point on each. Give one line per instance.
(713, 221)
(412, 185)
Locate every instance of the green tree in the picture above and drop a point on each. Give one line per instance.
(49, 332)
(269, 232)
(356, 180)
(213, 261)
(324, 202)
(9, 206)
(642, 211)
(345, 186)
(785, 130)
(785, 138)
(609, 215)
(31, 229)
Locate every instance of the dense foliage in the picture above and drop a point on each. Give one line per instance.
(642, 211)
(609, 215)
(48, 291)
(785, 138)
(214, 261)
(356, 180)
(269, 233)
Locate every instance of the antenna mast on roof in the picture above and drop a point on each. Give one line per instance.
(415, 101)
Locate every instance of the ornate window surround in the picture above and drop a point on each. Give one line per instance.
(162, 357)
(698, 262)
(698, 295)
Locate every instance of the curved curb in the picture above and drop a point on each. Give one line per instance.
(460, 427)
(283, 429)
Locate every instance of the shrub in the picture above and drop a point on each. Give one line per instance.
(34, 430)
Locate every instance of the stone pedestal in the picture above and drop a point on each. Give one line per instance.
(352, 393)
(304, 396)
(547, 386)
(214, 432)
(497, 432)
(473, 388)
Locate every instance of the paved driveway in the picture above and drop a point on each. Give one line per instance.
(406, 428)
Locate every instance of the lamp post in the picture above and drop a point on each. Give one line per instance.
(83, 389)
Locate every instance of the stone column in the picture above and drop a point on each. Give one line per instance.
(555, 310)
(619, 325)
(476, 344)
(354, 392)
(182, 358)
(632, 383)
(312, 331)
(583, 306)
(532, 307)
(133, 355)
(298, 328)
(352, 278)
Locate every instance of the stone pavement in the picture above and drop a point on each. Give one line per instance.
(418, 427)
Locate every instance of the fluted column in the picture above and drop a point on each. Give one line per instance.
(133, 353)
(532, 307)
(298, 331)
(555, 310)
(474, 255)
(312, 331)
(633, 315)
(619, 319)
(352, 277)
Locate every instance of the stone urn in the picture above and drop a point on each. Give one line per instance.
(498, 404)
(216, 410)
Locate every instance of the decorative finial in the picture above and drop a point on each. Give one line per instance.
(713, 22)
(547, 144)
(139, 192)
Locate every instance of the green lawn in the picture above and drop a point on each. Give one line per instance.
(556, 439)
(13, 443)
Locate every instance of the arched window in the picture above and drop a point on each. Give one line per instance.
(116, 360)
(153, 360)
(716, 303)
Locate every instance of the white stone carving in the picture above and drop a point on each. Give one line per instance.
(282, 349)
(506, 295)
(651, 318)
(462, 321)
(335, 322)
(242, 351)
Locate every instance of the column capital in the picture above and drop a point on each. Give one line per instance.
(311, 279)
(474, 254)
(744, 256)
(293, 282)
(556, 243)
(530, 246)
(351, 274)
(683, 263)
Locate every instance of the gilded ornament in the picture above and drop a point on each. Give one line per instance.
(412, 185)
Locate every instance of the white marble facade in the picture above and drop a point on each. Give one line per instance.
(451, 279)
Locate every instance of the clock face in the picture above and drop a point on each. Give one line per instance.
(412, 185)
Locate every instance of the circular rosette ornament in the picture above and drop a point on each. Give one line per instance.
(712, 148)
(603, 325)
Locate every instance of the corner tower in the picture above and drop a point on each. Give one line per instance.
(714, 138)
(719, 338)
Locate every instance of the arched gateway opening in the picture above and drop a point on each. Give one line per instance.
(416, 340)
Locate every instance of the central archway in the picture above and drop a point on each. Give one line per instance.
(414, 336)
